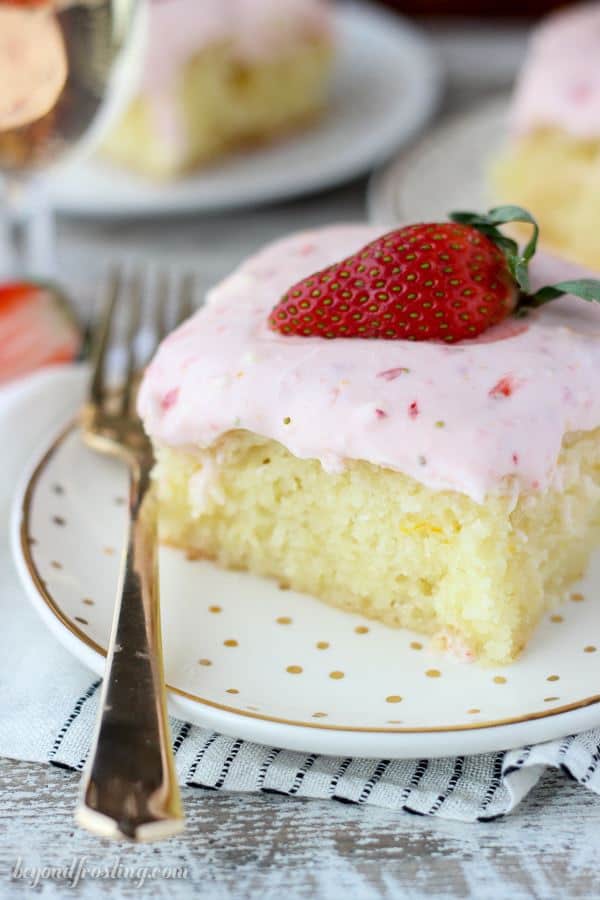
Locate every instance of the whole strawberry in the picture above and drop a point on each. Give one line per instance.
(435, 281)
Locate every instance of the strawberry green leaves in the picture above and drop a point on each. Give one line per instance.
(518, 261)
(488, 224)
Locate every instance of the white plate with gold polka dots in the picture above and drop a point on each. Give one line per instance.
(249, 659)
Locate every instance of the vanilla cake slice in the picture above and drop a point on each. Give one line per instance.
(454, 490)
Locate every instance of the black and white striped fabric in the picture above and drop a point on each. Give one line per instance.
(467, 788)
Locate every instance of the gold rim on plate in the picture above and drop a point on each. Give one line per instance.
(51, 603)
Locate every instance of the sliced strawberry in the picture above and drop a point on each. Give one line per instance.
(36, 329)
(435, 281)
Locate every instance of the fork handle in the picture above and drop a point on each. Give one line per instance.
(129, 788)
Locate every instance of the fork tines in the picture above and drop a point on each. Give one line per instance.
(137, 312)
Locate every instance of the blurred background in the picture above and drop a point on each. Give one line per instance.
(474, 8)
(479, 56)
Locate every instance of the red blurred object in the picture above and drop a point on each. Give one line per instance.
(37, 329)
(476, 8)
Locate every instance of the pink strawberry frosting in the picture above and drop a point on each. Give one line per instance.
(461, 417)
(559, 85)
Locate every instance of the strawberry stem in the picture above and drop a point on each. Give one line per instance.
(518, 261)
(487, 223)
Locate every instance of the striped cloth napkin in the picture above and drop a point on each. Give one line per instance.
(48, 700)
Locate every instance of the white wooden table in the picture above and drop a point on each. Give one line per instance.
(271, 847)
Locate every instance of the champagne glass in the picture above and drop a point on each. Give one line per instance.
(67, 70)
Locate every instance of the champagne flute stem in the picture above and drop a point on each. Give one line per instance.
(40, 255)
(9, 256)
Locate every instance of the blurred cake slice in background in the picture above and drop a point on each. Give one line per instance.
(552, 165)
(223, 74)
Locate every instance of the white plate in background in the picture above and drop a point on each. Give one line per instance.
(446, 170)
(386, 85)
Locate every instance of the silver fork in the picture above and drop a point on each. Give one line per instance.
(129, 788)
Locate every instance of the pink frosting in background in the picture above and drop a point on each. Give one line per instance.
(460, 417)
(559, 84)
(255, 29)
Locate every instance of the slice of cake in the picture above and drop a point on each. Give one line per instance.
(221, 74)
(451, 488)
(552, 164)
